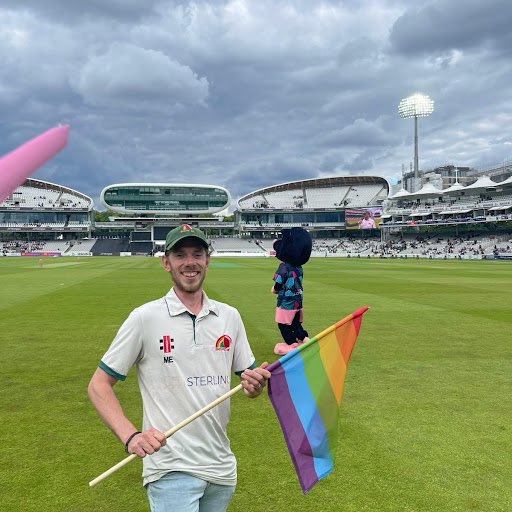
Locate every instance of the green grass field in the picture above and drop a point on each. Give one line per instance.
(426, 419)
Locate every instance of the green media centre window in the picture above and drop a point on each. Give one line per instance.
(162, 198)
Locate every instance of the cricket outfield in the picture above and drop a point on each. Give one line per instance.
(425, 422)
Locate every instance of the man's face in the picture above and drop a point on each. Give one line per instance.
(187, 263)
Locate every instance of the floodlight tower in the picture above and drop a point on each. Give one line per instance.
(417, 105)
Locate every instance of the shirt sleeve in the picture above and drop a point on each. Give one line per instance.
(126, 349)
(243, 357)
(280, 277)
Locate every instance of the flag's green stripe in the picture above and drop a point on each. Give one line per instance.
(321, 390)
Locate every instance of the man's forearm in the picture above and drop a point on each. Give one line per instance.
(109, 409)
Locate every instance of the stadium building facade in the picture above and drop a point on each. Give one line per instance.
(45, 212)
(482, 205)
(325, 206)
(151, 210)
(345, 215)
(165, 198)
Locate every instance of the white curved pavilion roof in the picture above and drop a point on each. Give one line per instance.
(428, 190)
(454, 188)
(401, 193)
(35, 193)
(482, 182)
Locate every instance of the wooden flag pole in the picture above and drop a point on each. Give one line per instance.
(169, 433)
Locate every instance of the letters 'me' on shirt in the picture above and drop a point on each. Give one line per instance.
(183, 364)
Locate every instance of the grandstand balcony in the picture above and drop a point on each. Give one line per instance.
(318, 193)
(463, 205)
(43, 195)
(316, 204)
(39, 206)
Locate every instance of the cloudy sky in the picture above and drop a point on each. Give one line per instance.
(250, 93)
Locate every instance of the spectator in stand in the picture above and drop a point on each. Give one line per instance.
(367, 221)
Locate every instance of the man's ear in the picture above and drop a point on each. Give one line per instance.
(165, 263)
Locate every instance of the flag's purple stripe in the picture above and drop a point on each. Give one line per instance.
(309, 415)
(291, 426)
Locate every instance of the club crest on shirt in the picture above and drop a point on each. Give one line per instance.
(223, 343)
(167, 346)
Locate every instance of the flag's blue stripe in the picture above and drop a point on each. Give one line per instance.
(309, 416)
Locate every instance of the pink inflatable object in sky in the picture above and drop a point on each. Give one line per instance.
(19, 164)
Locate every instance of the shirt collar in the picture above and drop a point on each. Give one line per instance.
(176, 307)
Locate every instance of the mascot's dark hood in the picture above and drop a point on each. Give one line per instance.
(294, 246)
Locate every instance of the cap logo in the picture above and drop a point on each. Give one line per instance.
(186, 227)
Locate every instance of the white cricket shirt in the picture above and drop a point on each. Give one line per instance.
(183, 365)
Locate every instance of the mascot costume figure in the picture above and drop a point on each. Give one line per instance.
(293, 249)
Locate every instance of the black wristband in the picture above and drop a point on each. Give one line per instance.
(129, 439)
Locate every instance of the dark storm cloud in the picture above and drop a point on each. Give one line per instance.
(442, 25)
(73, 11)
(361, 133)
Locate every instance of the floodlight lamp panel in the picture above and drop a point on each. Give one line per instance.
(417, 105)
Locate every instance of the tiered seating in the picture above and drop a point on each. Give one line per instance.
(266, 244)
(326, 197)
(362, 195)
(220, 245)
(257, 201)
(72, 201)
(56, 246)
(109, 246)
(140, 247)
(284, 199)
(34, 197)
(83, 245)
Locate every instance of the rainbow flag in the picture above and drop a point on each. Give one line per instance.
(305, 389)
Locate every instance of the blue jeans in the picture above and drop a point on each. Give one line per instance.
(181, 492)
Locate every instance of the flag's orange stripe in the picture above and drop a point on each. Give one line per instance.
(335, 367)
(347, 336)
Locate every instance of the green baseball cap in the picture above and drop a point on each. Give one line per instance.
(181, 232)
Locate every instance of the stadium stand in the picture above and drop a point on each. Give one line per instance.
(83, 245)
(55, 246)
(482, 201)
(282, 200)
(460, 221)
(236, 245)
(110, 247)
(419, 246)
(365, 195)
(326, 197)
(139, 248)
(318, 204)
(52, 211)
